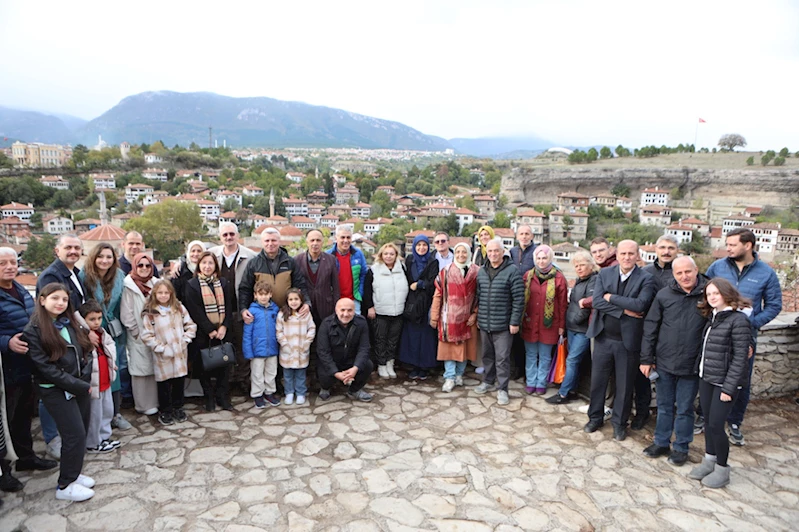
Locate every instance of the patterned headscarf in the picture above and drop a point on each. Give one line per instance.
(141, 281)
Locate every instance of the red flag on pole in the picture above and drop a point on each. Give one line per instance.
(701, 120)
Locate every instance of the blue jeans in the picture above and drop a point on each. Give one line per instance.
(680, 390)
(579, 345)
(536, 365)
(294, 381)
(49, 430)
(453, 369)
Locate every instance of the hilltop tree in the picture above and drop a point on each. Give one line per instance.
(605, 153)
(167, 225)
(620, 189)
(621, 151)
(730, 141)
(785, 153)
(5, 162)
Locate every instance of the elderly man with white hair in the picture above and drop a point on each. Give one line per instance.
(16, 309)
(233, 259)
(351, 266)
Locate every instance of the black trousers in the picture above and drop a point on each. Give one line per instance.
(386, 331)
(716, 412)
(20, 404)
(222, 387)
(610, 357)
(643, 391)
(170, 394)
(72, 420)
(240, 373)
(361, 378)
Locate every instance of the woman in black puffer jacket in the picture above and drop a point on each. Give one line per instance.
(722, 371)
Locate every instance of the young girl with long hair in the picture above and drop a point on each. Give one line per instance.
(295, 335)
(168, 330)
(60, 352)
(722, 373)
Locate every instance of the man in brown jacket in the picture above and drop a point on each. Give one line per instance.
(321, 276)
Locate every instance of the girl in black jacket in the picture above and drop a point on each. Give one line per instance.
(722, 371)
(61, 355)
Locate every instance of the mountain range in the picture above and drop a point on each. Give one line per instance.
(183, 118)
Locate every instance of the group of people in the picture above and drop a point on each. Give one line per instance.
(117, 334)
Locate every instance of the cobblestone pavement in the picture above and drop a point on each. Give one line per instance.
(415, 459)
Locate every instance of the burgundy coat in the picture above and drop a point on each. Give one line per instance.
(533, 329)
(324, 290)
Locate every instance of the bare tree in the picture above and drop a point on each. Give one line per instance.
(731, 140)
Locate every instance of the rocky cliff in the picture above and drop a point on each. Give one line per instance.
(777, 187)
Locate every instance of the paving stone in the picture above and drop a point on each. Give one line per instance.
(122, 514)
(378, 481)
(689, 521)
(223, 512)
(264, 514)
(344, 451)
(45, 523)
(213, 455)
(298, 498)
(311, 446)
(436, 505)
(354, 502)
(399, 510)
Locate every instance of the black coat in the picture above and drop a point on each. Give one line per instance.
(182, 279)
(661, 276)
(673, 329)
(576, 317)
(72, 372)
(339, 347)
(725, 353)
(58, 272)
(637, 295)
(419, 301)
(14, 316)
(194, 305)
(500, 301)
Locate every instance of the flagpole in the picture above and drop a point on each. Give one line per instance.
(696, 134)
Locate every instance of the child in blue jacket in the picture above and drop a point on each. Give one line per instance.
(261, 348)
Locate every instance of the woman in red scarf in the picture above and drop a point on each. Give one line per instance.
(138, 285)
(454, 316)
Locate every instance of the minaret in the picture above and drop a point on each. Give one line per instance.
(317, 172)
(272, 203)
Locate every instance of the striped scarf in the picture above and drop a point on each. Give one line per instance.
(549, 304)
(213, 298)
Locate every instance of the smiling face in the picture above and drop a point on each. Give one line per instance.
(343, 241)
(56, 303)
(293, 301)
(600, 252)
(714, 298)
(314, 241)
(133, 245)
(495, 252)
(345, 310)
(69, 251)
(389, 256)
(229, 236)
(144, 268)
(8, 267)
(441, 243)
(461, 254)
(421, 247)
(666, 251)
(542, 261)
(104, 261)
(685, 272)
(271, 243)
(194, 253)
(524, 235)
(162, 295)
(207, 266)
(484, 236)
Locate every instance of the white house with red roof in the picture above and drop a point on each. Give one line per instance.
(20, 210)
(767, 236)
(209, 210)
(303, 222)
(153, 158)
(133, 192)
(103, 181)
(372, 227)
(329, 220)
(734, 221)
(296, 206)
(252, 190)
(683, 233)
(536, 220)
(56, 225)
(655, 215)
(155, 174)
(295, 177)
(703, 228)
(465, 217)
(361, 210)
(655, 196)
(225, 195)
(54, 181)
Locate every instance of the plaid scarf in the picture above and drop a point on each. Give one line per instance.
(213, 298)
(549, 304)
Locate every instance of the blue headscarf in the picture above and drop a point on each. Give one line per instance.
(420, 261)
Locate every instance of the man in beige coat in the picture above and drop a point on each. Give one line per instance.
(233, 259)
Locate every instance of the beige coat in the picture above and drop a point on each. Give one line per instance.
(110, 349)
(140, 358)
(245, 255)
(295, 337)
(167, 334)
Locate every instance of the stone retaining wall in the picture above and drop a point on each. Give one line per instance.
(777, 362)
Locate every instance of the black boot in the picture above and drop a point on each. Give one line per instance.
(208, 393)
(223, 390)
(7, 482)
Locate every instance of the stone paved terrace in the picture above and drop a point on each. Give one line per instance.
(415, 459)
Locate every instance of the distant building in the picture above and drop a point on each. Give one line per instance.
(703, 228)
(54, 181)
(560, 230)
(209, 210)
(12, 226)
(572, 201)
(654, 196)
(38, 155)
(296, 206)
(535, 220)
(20, 210)
(223, 196)
(252, 190)
(655, 215)
(303, 222)
(295, 177)
(767, 237)
(372, 227)
(132, 192)
(329, 220)
(103, 181)
(788, 241)
(346, 193)
(486, 204)
(152, 158)
(682, 233)
(155, 197)
(361, 210)
(56, 225)
(734, 221)
(155, 174)
(465, 217)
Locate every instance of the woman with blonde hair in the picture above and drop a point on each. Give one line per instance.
(454, 315)
(384, 293)
(577, 314)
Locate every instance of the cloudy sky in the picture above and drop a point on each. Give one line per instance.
(574, 72)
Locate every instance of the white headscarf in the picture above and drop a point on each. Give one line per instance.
(468, 254)
(189, 263)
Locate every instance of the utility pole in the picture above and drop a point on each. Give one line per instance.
(210, 136)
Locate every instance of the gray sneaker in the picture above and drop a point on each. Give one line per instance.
(699, 425)
(736, 436)
(449, 384)
(324, 395)
(459, 380)
(54, 448)
(360, 395)
(482, 388)
(119, 422)
(502, 398)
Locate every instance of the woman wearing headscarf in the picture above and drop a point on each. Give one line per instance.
(544, 320)
(454, 315)
(485, 234)
(138, 285)
(418, 343)
(105, 282)
(209, 300)
(186, 266)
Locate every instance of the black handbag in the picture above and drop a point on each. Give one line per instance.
(217, 356)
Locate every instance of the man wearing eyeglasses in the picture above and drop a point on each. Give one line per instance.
(443, 254)
(233, 259)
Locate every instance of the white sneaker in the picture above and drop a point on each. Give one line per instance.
(608, 413)
(449, 384)
(74, 492)
(300, 399)
(459, 380)
(390, 369)
(86, 482)
(289, 400)
(382, 371)
(54, 448)
(502, 398)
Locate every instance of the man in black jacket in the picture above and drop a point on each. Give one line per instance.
(622, 296)
(672, 343)
(666, 249)
(343, 351)
(68, 249)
